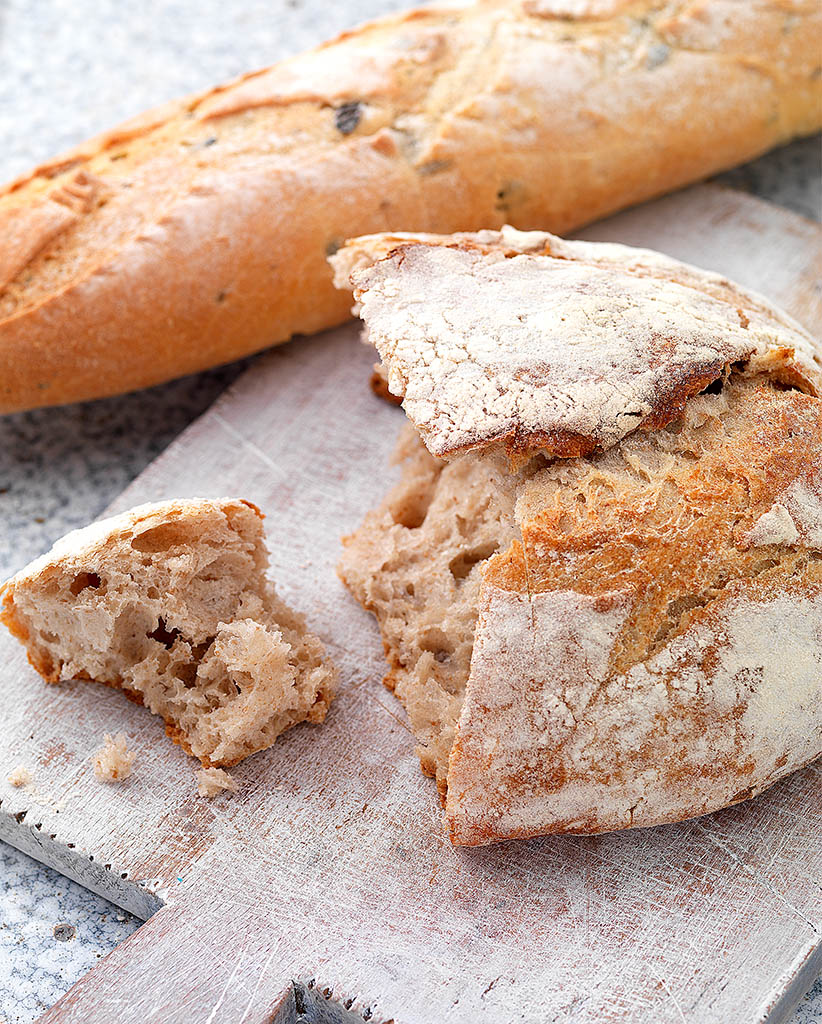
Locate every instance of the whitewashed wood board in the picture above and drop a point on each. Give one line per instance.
(331, 866)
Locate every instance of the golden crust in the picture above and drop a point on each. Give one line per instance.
(624, 671)
(197, 233)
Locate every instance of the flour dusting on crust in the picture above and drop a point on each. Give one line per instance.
(537, 343)
(548, 742)
(797, 516)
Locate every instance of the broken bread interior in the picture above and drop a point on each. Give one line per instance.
(625, 637)
(417, 564)
(170, 602)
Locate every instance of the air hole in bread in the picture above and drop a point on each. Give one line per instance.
(160, 538)
(186, 672)
(437, 643)
(715, 387)
(410, 511)
(163, 635)
(465, 561)
(84, 580)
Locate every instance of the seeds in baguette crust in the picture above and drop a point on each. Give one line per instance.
(532, 112)
(672, 518)
(347, 117)
(170, 603)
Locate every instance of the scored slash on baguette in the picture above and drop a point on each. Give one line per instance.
(170, 603)
(198, 233)
(611, 639)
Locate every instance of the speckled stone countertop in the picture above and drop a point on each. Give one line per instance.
(70, 68)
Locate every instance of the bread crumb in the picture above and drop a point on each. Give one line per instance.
(20, 776)
(211, 781)
(113, 763)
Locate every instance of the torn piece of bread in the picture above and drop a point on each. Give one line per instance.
(541, 344)
(170, 603)
(114, 762)
(213, 781)
(617, 639)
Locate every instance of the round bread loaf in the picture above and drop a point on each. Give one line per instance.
(601, 595)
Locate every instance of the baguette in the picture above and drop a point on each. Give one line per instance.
(198, 232)
(579, 590)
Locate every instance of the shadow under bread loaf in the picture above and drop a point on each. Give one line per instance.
(587, 642)
(198, 232)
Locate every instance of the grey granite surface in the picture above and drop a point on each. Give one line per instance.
(69, 68)
(51, 932)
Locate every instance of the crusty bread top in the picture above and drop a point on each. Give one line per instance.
(405, 84)
(537, 343)
(79, 545)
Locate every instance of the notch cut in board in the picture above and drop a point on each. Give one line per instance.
(331, 862)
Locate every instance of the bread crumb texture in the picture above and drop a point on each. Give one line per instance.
(528, 341)
(114, 762)
(618, 637)
(213, 781)
(170, 603)
(19, 777)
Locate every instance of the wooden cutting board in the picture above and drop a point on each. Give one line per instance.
(330, 868)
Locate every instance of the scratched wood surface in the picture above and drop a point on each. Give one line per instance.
(330, 866)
